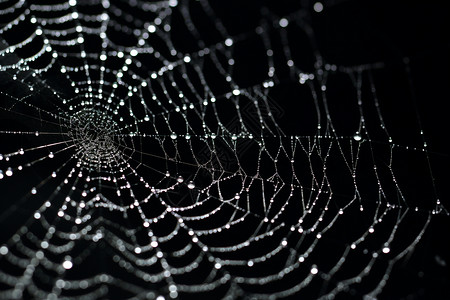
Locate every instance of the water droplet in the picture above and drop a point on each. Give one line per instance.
(3, 250)
(284, 22)
(173, 136)
(318, 7)
(67, 264)
(191, 185)
(33, 191)
(9, 172)
(357, 137)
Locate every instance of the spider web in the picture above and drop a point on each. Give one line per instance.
(158, 154)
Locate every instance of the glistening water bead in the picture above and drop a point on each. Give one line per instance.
(67, 264)
(357, 137)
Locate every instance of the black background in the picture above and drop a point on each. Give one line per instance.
(347, 33)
